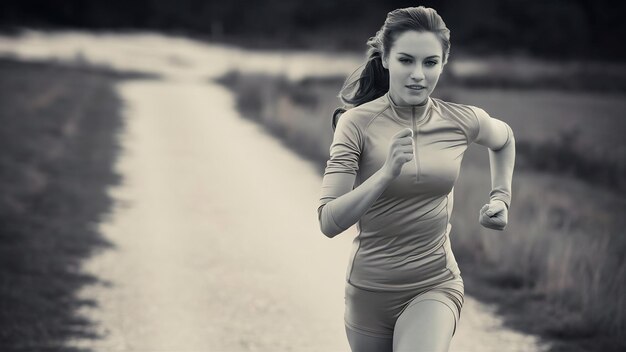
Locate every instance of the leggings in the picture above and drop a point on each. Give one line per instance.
(427, 325)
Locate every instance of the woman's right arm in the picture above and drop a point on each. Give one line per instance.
(340, 205)
(339, 214)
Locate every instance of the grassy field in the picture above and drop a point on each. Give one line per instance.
(57, 147)
(558, 268)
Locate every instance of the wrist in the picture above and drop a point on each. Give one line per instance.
(384, 176)
(506, 205)
(502, 194)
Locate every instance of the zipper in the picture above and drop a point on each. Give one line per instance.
(417, 168)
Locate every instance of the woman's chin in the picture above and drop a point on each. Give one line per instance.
(416, 99)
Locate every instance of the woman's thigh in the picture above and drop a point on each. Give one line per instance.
(426, 325)
(364, 343)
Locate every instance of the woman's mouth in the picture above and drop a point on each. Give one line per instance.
(416, 87)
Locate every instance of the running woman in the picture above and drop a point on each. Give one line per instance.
(394, 160)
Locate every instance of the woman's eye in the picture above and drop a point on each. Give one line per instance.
(431, 63)
(405, 61)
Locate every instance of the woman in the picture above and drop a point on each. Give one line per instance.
(404, 290)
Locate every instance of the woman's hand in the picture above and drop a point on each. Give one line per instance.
(400, 152)
(494, 215)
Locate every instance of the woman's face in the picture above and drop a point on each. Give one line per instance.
(414, 63)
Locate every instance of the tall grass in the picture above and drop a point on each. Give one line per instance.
(563, 245)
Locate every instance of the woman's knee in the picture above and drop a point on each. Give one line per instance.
(427, 325)
(364, 343)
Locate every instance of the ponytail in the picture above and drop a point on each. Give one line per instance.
(336, 114)
(372, 83)
(374, 79)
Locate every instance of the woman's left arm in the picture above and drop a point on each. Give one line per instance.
(498, 136)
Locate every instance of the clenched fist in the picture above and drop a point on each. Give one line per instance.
(494, 215)
(400, 152)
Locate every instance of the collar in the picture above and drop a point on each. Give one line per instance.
(405, 113)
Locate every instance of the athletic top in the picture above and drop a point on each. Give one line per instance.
(411, 218)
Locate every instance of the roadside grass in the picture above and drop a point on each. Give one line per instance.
(57, 148)
(557, 269)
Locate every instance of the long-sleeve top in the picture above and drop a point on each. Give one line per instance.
(410, 221)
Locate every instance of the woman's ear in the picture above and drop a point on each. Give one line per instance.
(385, 62)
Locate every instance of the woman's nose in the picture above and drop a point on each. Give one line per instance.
(417, 74)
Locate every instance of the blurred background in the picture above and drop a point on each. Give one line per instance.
(161, 162)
